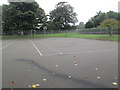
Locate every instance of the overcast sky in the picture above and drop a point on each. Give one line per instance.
(85, 9)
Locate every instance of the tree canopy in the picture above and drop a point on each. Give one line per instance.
(110, 23)
(100, 17)
(63, 16)
(21, 17)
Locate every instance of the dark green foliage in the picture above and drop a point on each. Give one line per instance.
(63, 16)
(89, 24)
(100, 17)
(20, 17)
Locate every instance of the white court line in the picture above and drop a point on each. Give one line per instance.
(7, 44)
(36, 48)
(51, 48)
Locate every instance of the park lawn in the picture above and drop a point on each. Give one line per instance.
(68, 35)
(76, 35)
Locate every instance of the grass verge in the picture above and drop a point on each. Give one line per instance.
(67, 35)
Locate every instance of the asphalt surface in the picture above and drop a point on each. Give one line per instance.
(0, 64)
(59, 63)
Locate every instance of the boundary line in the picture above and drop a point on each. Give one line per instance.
(7, 44)
(36, 48)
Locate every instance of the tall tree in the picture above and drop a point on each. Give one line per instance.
(110, 23)
(100, 17)
(89, 24)
(20, 17)
(112, 15)
(63, 16)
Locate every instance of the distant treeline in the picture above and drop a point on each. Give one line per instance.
(24, 18)
(104, 19)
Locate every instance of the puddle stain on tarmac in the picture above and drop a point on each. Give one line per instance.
(56, 74)
(68, 77)
(63, 75)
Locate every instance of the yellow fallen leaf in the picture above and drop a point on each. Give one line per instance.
(34, 86)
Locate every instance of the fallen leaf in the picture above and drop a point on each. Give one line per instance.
(44, 79)
(98, 77)
(37, 85)
(69, 76)
(34, 86)
(12, 83)
(96, 69)
(114, 83)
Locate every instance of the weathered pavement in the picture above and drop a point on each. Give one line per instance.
(60, 63)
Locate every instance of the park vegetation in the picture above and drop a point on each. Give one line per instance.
(111, 18)
(24, 18)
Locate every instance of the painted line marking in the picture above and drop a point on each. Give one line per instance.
(51, 48)
(7, 44)
(36, 48)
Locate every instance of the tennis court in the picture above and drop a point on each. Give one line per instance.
(59, 63)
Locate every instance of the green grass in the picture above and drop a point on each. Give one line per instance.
(67, 35)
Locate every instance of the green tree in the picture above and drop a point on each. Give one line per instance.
(100, 17)
(63, 16)
(41, 20)
(89, 24)
(112, 15)
(20, 17)
(96, 20)
(109, 23)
